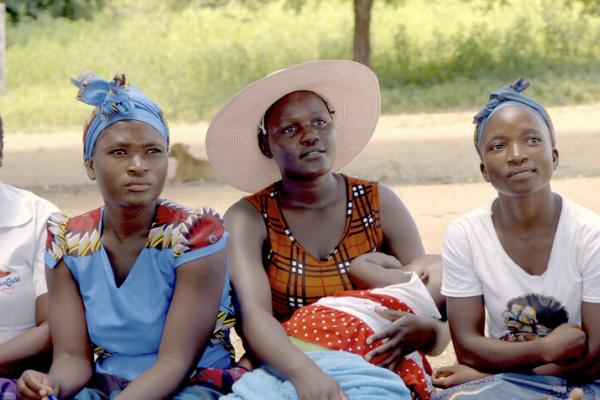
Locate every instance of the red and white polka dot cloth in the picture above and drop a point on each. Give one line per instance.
(346, 320)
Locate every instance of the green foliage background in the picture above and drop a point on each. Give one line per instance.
(73, 9)
(190, 56)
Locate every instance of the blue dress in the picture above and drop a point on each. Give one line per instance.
(126, 322)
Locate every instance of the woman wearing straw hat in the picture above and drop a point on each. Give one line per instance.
(294, 240)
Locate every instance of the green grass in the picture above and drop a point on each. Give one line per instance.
(429, 55)
(573, 85)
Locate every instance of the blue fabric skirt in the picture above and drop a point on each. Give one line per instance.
(106, 387)
(517, 387)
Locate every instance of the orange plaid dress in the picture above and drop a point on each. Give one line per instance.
(296, 277)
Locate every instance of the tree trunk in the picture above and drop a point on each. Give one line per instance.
(362, 23)
(2, 47)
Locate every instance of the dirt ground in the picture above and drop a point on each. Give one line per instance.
(428, 160)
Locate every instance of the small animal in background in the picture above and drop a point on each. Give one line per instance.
(190, 168)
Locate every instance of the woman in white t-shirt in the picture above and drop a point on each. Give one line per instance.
(24, 334)
(530, 259)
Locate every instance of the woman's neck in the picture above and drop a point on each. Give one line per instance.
(314, 193)
(127, 223)
(521, 213)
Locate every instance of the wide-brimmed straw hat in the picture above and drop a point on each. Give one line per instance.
(350, 89)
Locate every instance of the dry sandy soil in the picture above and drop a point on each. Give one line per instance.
(428, 159)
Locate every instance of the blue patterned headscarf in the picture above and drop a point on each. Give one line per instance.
(115, 101)
(506, 96)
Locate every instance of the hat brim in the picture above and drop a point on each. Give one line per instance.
(350, 88)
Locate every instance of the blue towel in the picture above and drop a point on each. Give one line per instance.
(357, 378)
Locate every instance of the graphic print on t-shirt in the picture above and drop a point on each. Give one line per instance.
(531, 316)
(8, 279)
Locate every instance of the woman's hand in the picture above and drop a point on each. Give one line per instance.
(457, 374)
(406, 333)
(314, 384)
(36, 385)
(565, 342)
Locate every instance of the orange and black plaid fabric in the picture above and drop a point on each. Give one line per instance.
(296, 277)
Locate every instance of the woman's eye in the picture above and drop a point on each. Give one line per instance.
(289, 129)
(534, 140)
(320, 122)
(154, 150)
(496, 146)
(118, 152)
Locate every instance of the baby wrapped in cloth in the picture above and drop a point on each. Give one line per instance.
(343, 322)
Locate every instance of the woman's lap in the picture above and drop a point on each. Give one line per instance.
(194, 392)
(106, 387)
(516, 387)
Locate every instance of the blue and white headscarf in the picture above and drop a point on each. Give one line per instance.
(115, 101)
(506, 96)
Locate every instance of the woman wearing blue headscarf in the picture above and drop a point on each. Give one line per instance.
(141, 282)
(531, 259)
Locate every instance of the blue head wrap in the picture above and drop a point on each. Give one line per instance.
(115, 101)
(505, 96)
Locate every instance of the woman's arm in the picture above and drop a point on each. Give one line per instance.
(467, 319)
(376, 270)
(263, 334)
(30, 348)
(404, 242)
(72, 364)
(401, 237)
(587, 368)
(72, 358)
(190, 321)
(400, 232)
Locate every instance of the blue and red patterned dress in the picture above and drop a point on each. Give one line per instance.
(126, 322)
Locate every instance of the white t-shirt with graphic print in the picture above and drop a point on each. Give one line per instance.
(475, 263)
(23, 218)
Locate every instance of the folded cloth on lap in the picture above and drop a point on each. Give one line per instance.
(357, 378)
